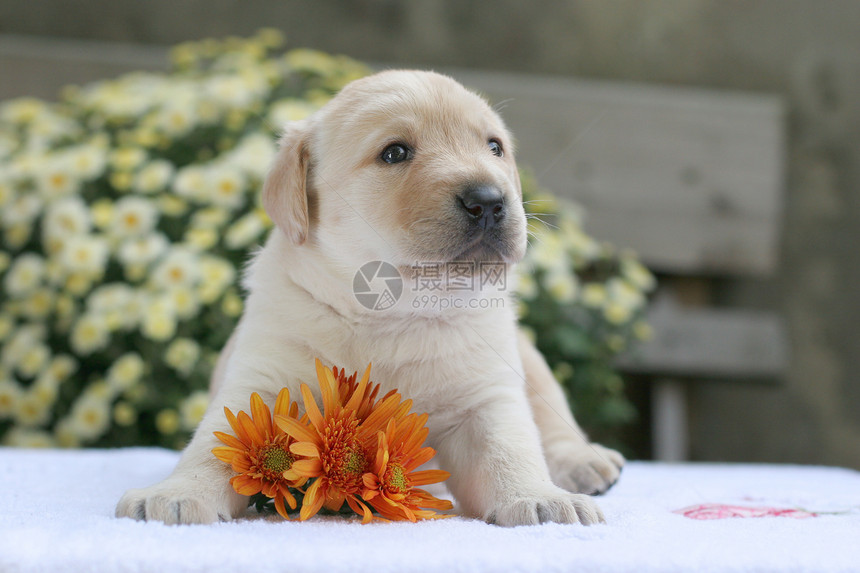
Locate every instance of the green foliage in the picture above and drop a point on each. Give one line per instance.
(583, 304)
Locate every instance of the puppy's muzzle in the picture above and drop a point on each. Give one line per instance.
(484, 205)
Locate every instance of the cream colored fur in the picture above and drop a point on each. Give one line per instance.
(498, 419)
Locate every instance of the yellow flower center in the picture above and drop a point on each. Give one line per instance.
(394, 479)
(355, 462)
(274, 461)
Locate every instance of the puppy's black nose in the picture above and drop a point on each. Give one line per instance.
(484, 204)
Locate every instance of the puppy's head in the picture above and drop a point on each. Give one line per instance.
(401, 166)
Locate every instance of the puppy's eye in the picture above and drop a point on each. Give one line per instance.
(395, 153)
(496, 147)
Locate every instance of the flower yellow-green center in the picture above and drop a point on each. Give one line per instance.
(395, 478)
(274, 461)
(355, 462)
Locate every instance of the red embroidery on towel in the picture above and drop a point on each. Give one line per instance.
(721, 511)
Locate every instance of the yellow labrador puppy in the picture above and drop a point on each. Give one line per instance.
(404, 170)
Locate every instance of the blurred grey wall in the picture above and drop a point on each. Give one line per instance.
(808, 51)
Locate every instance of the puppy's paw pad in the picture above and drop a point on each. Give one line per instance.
(169, 505)
(591, 469)
(556, 506)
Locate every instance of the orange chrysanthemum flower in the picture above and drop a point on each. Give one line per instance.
(390, 487)
(260, 452)
(337, 444)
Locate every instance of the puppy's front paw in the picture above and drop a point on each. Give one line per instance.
(176, 502)
(553, 505)
(590, 468)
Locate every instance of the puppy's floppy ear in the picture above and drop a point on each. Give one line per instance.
(285, 196)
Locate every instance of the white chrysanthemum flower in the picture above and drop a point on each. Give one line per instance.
(176, 118)
(87, 161)
(109, 297)
(192, 409)
(210, 218)
(85, 254)
(192, 183)
(22, 210)
(287, 110)
(617, 313)
(637, 274)
(90, 333)
(34, 360)
(227, 187)
(125, 372)
(547, 250)
(102, 213)
(159, 319)
(111, 302)
(200, 239)
(28, 438)
(182, 355)
(180, 267)
(231, 91)
(133, 217)
(21, 340)
(527, 286)
(63, 219)
(25, 275)
(56, 179)
(253, 154)
(124, 414)
(562, 286)
(216, 275)
(62, 367)
(23, 110)
(144, 250)
(154, 177)
(90, 417)
(245, 231)
(594, 295)
(185, 301)
(167, 421)
(10, 395)
(66, 217)
(127, 158)
(32, 410)
(623, 293)
(577, 241)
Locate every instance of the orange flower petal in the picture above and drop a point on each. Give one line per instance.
(425, 477)
(230, 440)
(279, 506)
(245, 485)
(250, 428)
(361, 509)
(262, 416)
(311, 467)
(311, 408)
(313, 501)
(306, 449)
(296, 429)
(226, 454)
(422, 456)
(282, 402)
(237, 427)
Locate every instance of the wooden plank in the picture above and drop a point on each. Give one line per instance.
(710, 343)
(689, 178)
